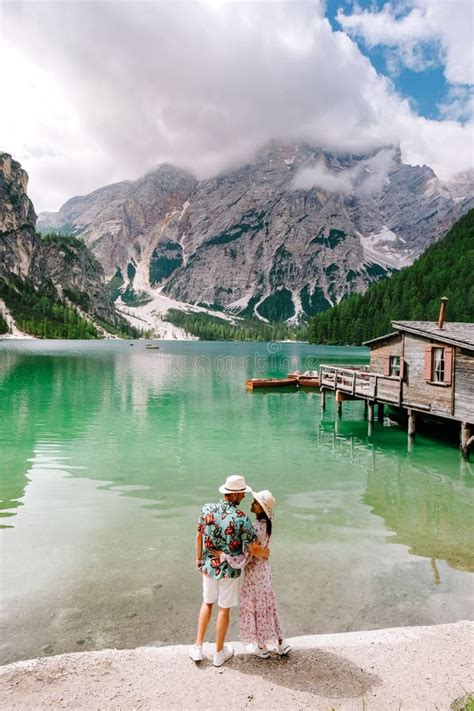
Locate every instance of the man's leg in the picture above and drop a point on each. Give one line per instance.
(222, 624)
(203, 621)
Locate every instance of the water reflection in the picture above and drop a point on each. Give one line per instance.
(429, 507)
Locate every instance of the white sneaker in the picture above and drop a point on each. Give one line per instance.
(260, 652)
(223, 656)
(283, 648)
(195, 652)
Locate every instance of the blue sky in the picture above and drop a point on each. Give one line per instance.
(426, 90)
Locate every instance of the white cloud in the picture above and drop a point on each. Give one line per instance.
(98, 92)
(460, 104)
(429, 28)
(365, 178)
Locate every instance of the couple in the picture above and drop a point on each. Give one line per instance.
(226, 542)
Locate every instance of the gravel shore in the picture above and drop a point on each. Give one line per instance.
(404, 668)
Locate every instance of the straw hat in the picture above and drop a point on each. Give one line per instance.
(234, 484)
(266, 500)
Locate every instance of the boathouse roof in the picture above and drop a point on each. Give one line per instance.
(454, 333)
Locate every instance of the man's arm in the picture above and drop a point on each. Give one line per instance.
(198, 550)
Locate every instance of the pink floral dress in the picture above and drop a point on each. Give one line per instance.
(258, 614)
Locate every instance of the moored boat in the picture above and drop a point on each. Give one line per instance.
(306, 382)
(270, 383)
(308, 379)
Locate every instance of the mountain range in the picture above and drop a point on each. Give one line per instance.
(281, 238)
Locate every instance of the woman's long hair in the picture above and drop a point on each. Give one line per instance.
(263, 517)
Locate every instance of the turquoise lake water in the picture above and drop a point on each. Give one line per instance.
(108, 451)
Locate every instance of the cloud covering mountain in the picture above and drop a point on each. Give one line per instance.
(102, 91)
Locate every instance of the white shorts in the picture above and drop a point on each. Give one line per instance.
(224, 591)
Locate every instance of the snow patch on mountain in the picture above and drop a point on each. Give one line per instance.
(381, 248)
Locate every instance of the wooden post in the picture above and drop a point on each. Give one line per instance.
(323, 399)
(339, 399)
(466, 439)
(411, 423)
(365, 409)
(380, 412)
(370, 406)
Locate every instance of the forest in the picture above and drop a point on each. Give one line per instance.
(42, 314)
(212, 328)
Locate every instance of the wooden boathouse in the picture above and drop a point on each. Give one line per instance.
(422, 367)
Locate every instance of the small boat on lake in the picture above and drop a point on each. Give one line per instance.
(308, 379)
(270, 383)
(152, 347)
(308, 382)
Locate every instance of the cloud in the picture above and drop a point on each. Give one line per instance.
(112, 89)
(366, 178)
(459, 105)
(431, 32)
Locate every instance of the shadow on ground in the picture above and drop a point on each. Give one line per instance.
(313, 670)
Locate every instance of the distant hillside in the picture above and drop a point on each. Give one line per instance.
(445, 269)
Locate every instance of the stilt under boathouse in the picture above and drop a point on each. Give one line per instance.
(422, 368)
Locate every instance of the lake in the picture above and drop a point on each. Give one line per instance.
(108, 451)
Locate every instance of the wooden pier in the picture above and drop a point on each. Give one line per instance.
(422, 368)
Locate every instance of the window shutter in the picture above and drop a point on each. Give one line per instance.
(386, 365)
(402, 368)
(448, 365)
(428, 360)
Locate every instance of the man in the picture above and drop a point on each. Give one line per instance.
(222, 526)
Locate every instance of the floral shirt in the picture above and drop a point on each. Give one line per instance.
(226, 528)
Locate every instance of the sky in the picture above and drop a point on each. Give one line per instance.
(97, 92)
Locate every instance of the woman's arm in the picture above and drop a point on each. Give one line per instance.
(259, 551)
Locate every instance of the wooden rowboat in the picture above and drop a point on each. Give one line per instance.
(270, 383)
(305, 382)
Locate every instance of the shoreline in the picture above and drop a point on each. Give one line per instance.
(404, 668)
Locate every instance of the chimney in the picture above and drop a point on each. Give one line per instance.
(442, 309)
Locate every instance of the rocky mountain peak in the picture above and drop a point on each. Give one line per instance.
(281, 237)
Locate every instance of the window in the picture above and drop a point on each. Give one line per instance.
(395, 366)
(438, 365)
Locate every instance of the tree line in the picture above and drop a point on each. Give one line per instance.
(212, 328)
(42, 314)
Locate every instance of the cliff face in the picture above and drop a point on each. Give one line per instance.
(289, 234)
(20, 248)
(65, 265)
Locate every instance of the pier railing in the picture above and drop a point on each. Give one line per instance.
(361, 383)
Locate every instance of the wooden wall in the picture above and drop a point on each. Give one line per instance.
(464, 385)
(455, 400)
(416, 391)
(378, 353)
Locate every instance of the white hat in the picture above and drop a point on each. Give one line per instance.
(266, 500)
(234, 484)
